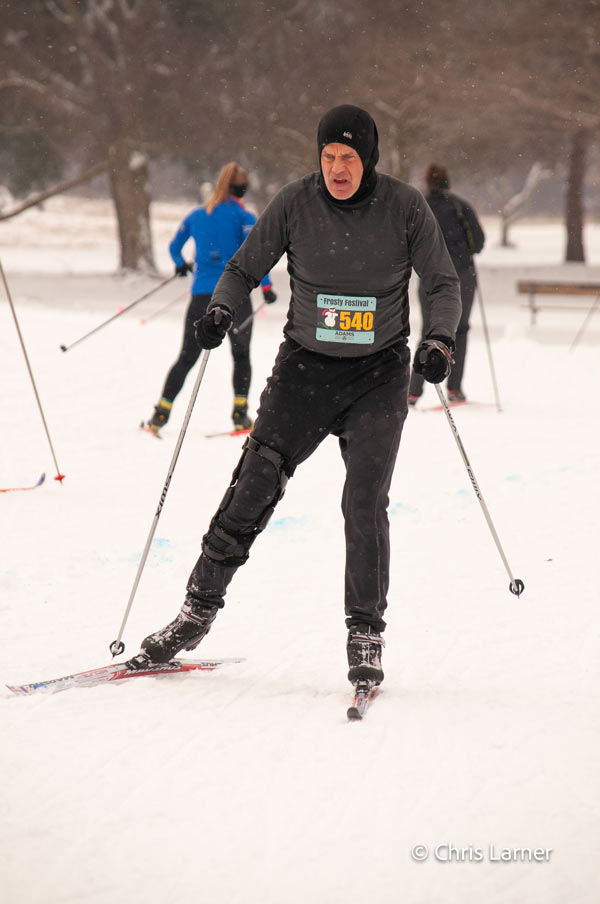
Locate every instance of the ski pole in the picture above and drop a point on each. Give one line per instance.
(117, 646)
(60, 477)
(584, 324)
(65, 348)
(244, 323)
(516, 585)
(164, 308)
(488, 343)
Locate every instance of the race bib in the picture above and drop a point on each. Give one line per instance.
(346, 318)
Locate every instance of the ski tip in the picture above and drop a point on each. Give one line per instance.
(228, 433)
(146, 429)
(41, 480)
(353, 714)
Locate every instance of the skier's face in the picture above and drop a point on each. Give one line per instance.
(342, 170)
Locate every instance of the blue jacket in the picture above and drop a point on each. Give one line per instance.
(217, 236)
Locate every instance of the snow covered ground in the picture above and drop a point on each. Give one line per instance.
(248, 786)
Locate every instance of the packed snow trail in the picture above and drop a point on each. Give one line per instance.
(249, 784)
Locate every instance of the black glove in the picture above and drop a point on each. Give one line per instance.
(433, 358)
(211, 329)
(183, 269)
(269, 296)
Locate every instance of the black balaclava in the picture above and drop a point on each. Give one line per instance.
(356, 128)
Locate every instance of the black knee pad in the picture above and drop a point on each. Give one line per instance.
(226, 547)
(232, 547)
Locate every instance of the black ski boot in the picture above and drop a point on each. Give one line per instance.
(161, 415)
(241, 421)
(364, 654)
(184, 633)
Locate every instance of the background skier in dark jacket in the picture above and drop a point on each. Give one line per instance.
(352, 237)
(218, 229)
(464, 237)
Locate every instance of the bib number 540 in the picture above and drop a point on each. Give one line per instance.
(358, 320)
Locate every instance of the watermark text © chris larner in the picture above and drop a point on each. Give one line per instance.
(445, 852)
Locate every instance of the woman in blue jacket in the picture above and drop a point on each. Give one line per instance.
(218, 229)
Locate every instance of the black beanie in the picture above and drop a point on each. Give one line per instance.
(356, 128)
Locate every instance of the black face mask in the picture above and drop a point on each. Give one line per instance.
(238, 191)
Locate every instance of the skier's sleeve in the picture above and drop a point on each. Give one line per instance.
(476, 229)
(433, 265)
(179, 240)
(265, 244)
(248, 221)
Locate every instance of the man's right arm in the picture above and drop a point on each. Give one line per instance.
(262, 249)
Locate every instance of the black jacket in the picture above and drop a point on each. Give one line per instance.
(460, 227)
(349, 267)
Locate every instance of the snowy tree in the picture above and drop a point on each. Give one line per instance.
(514, 207)
(546, 58)
(88, 71)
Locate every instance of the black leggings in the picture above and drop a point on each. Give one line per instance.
(190, 351)
(363, 402)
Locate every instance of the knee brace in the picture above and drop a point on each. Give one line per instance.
(231, 546)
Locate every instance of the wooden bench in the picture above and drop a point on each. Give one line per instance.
(535, 288)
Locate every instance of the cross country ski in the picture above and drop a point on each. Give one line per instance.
(364, 693)
(148, 429)
(21, 489)
(118, 671)
(463, 403)
(228, 433)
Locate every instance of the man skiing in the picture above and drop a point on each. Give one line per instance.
(352, 237)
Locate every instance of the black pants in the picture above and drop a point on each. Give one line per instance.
(468, 282)
(190, 352)
(362, 401)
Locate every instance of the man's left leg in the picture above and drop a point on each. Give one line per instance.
(369, 441)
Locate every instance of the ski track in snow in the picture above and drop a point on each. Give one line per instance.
(248, 784)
